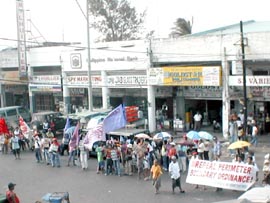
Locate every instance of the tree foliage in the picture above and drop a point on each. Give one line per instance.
(182, 27)
(116, 20)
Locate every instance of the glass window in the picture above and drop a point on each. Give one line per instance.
(12, 112)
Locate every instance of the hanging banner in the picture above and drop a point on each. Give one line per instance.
(225, 175)
(21, 40)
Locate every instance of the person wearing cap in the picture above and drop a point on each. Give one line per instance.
(54, 153)
(174, 171)
(11, 195)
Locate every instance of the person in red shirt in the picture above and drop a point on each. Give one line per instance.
(172, 151)
(11, 195)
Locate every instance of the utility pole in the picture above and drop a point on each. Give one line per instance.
(244, 76)
(90, 96)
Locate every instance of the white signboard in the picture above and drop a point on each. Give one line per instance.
(211, 76)
(250, 81)
(46, 79)
(21, 39)
(234, 176)
(83, 80)
(155, 76)
(127, 81)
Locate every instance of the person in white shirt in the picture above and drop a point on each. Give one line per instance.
(37, 145)
(197, 121)
(200, 149)
(174, 171)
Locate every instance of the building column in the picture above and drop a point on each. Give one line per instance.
(225, 96)
(31, 94)
(151, 102)
(105, 91)
(66, 94)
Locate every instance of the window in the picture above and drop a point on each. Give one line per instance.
(12, 112)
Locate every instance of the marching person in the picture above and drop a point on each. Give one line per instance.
(54, 151)
(15, 146)
(37, 145)
(174, 171)
(156, 173)
(83, 154)
(11, 195)
(45, 145)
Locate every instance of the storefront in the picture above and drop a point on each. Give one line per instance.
(45, 92)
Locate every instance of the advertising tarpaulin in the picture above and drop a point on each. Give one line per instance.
(227, 175)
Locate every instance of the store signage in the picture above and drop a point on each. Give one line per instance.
(45, 88)
(83, 80)
(185, 76)
(21, 39)
(155, 76)
(192, 75)
(127, 80)
(46, 79)
(250, 80)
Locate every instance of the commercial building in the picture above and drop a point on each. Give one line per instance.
(174, 77)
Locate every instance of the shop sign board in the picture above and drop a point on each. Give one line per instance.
(45, 88)
(82, 80)
(127, 81)
(46, 79)
(155, 76)
(250, 81)
(21, 39)
(186, 76)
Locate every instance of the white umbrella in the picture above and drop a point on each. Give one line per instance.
(205, 135)
(143, 136)
(257, 194)
(162, 135)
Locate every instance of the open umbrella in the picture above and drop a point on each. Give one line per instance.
(162, 135)
(205, 135)
(239, 144)
(257, 194)
(143, 136)
(193, 135)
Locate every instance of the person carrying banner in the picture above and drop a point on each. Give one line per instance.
(174, 171)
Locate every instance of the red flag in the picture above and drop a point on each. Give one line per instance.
(3, 126)
(74, 140)
(24, 127)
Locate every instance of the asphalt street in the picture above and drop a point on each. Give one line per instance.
(35, 180)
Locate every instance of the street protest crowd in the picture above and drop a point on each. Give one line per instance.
(150, 159)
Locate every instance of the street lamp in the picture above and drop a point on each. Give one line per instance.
(90, 96)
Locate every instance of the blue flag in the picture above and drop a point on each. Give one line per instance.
(115, 120)
(67, 126)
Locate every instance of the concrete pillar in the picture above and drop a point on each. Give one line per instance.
(31, 94)
(151, 102)
(66, 94)
(105, 91)
(225, 96)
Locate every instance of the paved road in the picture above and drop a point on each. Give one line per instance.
(35, 180)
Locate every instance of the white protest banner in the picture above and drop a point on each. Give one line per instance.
(225, 175)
